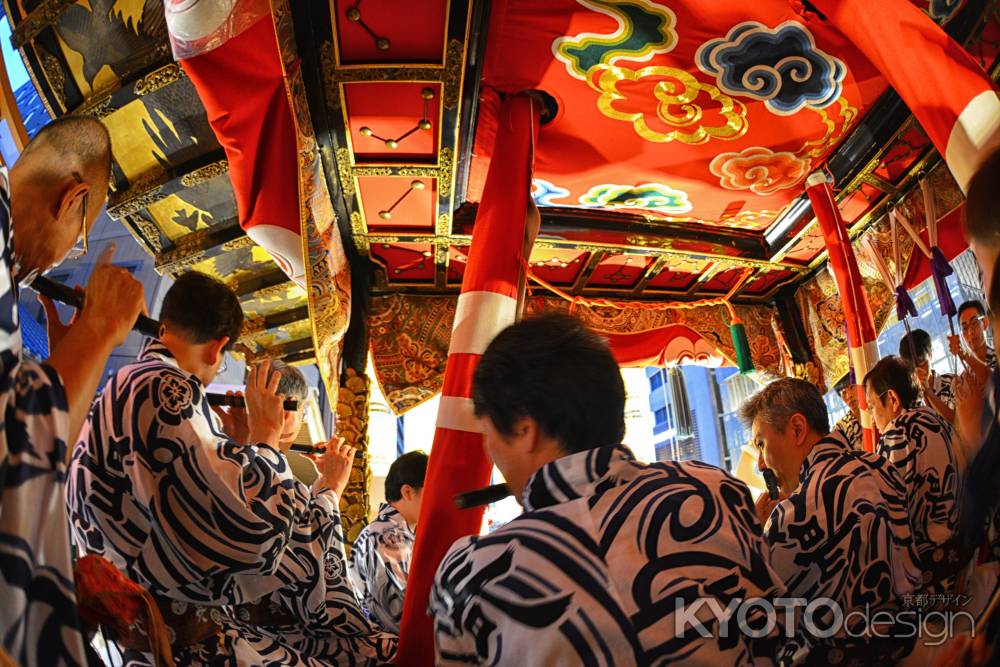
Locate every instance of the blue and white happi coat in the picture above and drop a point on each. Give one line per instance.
(844, 533)
(380, 560)
(849, 429)
(598, 569)
(158, 489)
(38, 618)
(919, 443)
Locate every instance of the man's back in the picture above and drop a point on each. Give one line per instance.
(597, 568)
(919, 443)
(381, 565)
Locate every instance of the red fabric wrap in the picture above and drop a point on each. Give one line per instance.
(857, 311)
(458, 462)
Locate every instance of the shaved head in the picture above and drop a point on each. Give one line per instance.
(77, 143)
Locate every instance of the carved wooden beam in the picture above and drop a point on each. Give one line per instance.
(201, 245)
(142, 195)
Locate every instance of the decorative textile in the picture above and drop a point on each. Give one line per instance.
(158, 489)
(38, 617)
(848, 428)
(410, 336)
(601, 537)
(380, 562)
(919, 443)
(844, 532)
(486, 305)
(243, 63)
(965, 125)
(942, 385)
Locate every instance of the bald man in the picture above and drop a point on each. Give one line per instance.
(47, 200)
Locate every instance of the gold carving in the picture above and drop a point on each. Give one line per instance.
(39, 19)
(54, 74)
(443, 225)
(345, 172)
(372, 171)
(130, 204)
(352, 426)
(382, 238)
(418, 172)
(158, 79)
(98, 108)
(205, 174)
(237, 244)
(446, 165)
(454, 63)
(358, 226)
(145, 232)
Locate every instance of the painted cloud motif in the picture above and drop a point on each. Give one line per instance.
(759, 170)
(543, 192)
(782, 67)
(655, 196)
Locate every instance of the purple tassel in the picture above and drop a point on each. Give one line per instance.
(904, 304)
(940, 270)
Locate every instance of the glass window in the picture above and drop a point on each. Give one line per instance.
(656, 381)
(660, 416)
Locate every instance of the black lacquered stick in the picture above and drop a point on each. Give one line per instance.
(233, 401)
(69, 296)
(313, 449)
(484, 496)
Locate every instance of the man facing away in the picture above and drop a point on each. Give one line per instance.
(918, 442)
(203, 521)
(602, 566)
(47, 200)
(840, 530)
(381, 555)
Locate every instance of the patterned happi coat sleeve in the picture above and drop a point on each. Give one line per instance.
(919, 444)
(157, 488)
(944, 389)
(381, 559)
(38, 618)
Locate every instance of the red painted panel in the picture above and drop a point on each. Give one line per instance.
(415, 31)
(416, 211)
(390, 111)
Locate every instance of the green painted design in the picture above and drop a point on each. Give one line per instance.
(644, 29)
(655, 196)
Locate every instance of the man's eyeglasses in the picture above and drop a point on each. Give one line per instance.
(80, 249)
(972, 324)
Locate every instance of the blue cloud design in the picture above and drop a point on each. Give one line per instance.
(781, 67)
(543, 192)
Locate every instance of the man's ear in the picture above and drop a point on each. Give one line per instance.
(525, 434)
(407, 492)
(799, 426)
(215, 349)
(71, 202)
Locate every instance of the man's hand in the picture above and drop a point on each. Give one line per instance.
(335, 466)
(112, 301)
(765, 506)
(266, 413)
(234, 421)
(970, 396)
(53, 323)
(955, 345)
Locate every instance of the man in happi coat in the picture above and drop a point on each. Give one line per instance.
(848, 428)
(937, 388)
(47, 200)
(602, 566)
(203, 521)
(380, 557)
(840, 531)
(918, 441)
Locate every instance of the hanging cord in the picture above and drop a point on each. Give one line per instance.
(645, 305)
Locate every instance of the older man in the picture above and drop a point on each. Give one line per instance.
(918, 441)
(245, 563)
(612, 559)
(50, 195)
(841, 531)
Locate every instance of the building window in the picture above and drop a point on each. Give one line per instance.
(661, 416)
(656, 381)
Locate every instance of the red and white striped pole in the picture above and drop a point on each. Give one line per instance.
(861, 334)
(949, 93)
(487, 304)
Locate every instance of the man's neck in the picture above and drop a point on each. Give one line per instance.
(188, 359)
